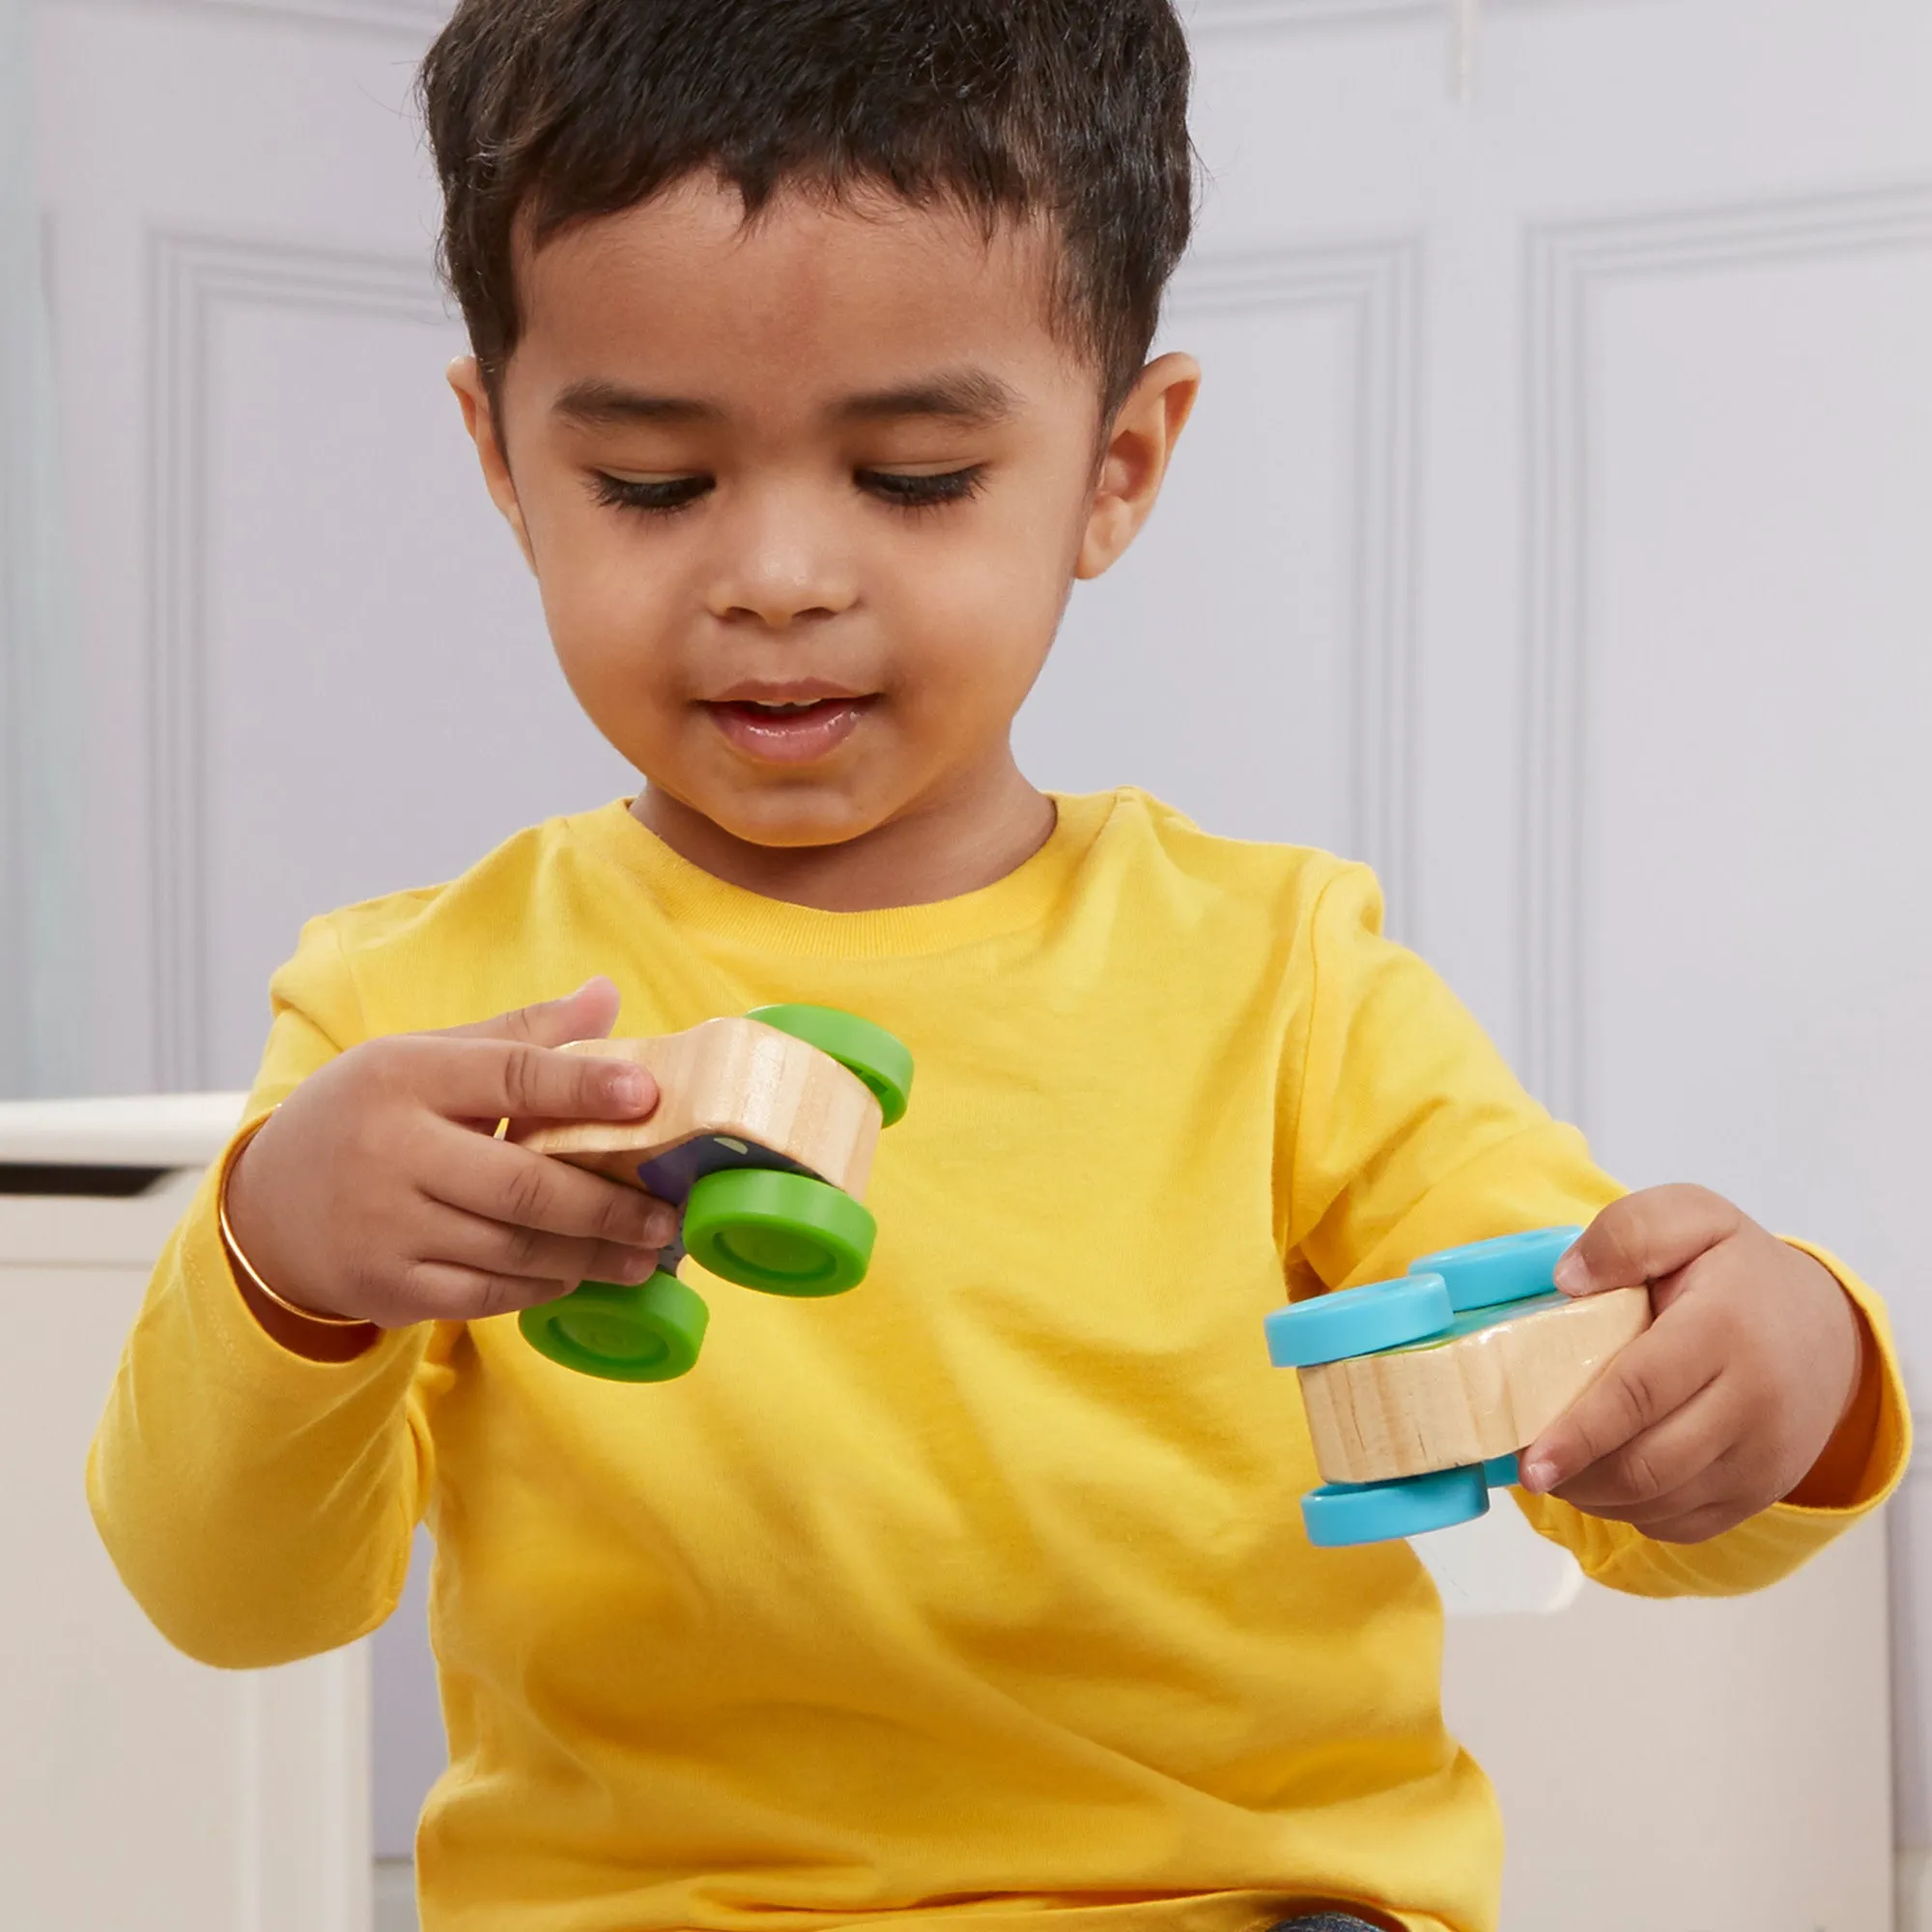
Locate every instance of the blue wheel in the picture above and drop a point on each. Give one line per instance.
(1358, 1321)
(1342, 1514)
(1512, 1268)
(1500, 1472)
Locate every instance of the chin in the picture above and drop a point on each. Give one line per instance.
(793, 825)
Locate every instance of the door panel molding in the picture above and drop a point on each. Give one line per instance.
(1377, 283)
(1568, 266)
(192, 281)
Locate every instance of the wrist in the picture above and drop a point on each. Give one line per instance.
(313, 1333)
(1834, 1479)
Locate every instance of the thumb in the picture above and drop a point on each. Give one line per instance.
(1646, 1237)
(588, 1013)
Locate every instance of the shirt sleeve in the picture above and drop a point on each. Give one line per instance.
(259, 1506)
(1407, 1133)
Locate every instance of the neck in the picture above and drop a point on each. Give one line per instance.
(953, 843)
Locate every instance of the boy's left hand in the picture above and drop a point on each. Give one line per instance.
(1727, 1401)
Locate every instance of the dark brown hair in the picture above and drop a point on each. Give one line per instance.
(546, 112)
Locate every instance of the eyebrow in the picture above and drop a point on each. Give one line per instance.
(969, 396)
(598, 404)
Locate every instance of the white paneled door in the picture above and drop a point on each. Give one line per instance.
(1553, 532)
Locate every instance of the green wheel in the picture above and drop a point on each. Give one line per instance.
(878, 1058)
(636, 1334)
(786, 1234)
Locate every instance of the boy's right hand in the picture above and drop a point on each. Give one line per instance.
(378, 1190)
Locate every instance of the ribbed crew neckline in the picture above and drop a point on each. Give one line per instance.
(695, 897)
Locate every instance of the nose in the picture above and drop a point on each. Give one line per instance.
(781, 557)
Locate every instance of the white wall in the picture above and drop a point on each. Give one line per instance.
(1552, 534)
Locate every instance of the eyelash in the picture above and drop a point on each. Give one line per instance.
(661, 499)
(911, 493)
(924, 493)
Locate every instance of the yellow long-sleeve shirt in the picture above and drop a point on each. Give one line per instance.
(978, 1595)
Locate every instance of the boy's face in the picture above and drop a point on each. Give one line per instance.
(805, 496)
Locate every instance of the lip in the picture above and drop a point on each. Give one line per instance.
(832, 714)
(786, 690)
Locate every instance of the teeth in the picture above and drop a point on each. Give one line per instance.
(806, 704)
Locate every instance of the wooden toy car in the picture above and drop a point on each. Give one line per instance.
(763, 1134)
(1420, 1391)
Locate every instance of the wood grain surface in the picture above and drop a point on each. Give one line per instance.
(734, 1077)
(1375, 1417)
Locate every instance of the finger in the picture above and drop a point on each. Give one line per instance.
(588, 1013)
(1699, 1525)
(1697, 1512)
(440, 1291)
(1645, 1381)
(491, 1247)
(1656, 1467)
(495, 1079)
(1645, 1236)
(502, 1182)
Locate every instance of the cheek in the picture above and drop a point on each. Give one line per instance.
(609, 642)
(596, 585)
(982, 632)
(585, 623)
(603, 600)
(989, 608)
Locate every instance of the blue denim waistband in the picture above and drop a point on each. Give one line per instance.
(1324, 1922)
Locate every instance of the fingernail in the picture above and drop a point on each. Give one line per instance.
(1539, 1477)
(640, 1264)
(660, 1227)
(627, 1087)
(1571, 1273)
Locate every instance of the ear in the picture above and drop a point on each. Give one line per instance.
(1135, 461)
(481, 420)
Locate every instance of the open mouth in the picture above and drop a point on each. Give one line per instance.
(788, 730)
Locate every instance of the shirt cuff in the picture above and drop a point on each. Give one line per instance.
(1862, 1488)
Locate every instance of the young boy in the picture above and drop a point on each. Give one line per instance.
(808, 372)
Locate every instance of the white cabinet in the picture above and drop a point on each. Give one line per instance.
(1682, 1766)
(137, 1788)
(1691, 1766)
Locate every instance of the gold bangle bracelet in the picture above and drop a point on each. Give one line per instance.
(239, 1260)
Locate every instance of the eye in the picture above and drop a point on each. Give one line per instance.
(661, 497)
(922, 493)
